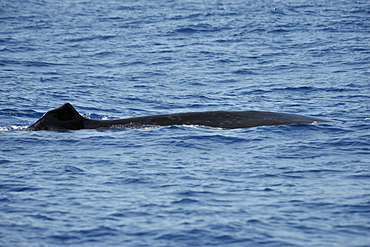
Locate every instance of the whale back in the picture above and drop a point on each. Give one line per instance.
(64, 117)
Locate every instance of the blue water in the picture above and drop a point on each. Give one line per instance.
(298, 185)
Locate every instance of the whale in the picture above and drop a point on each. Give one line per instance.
(66, 117)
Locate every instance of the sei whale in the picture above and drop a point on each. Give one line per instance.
(66, 117)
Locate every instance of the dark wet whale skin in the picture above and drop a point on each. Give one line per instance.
(66, 117)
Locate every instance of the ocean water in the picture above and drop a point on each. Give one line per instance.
(296, 185)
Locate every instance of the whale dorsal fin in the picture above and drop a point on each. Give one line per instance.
(65, 117)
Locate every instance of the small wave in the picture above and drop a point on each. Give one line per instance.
(197, 28)
(91, 235)
(185, 201)
(245, 72)
(91, 38)
(73, 169)
(23, 189)
(12, 128)
(41, 217)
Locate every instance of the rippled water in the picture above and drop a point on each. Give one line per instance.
(298, 185)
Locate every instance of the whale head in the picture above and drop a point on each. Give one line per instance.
(64, 117)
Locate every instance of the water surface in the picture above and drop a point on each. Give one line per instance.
(298, 185)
